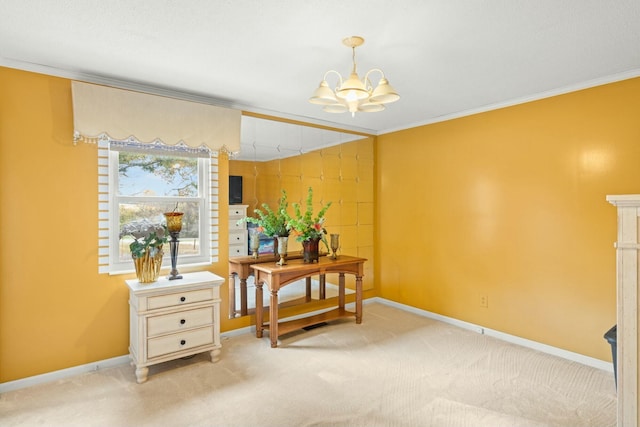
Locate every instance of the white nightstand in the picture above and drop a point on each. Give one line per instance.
(173, 319)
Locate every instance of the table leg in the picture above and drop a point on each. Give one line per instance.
(358, 299)
(259, 322)
(341, 291)
(232, 296)
(243, 296)
(322, 292)
(308, 288)
(273, 319)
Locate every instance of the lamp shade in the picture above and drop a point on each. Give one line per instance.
(384, 92)
(323, 95)
(174, 221)
(370, 107)
(336, 108)
(353, 89)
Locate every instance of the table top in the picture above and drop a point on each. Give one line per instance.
(324, 263)
(263, 258)
(163, 282)
(249, 259)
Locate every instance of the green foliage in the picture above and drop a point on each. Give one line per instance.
(181, 176)
(272, 224)
(146, 236)
(165, 167)
(307, 226)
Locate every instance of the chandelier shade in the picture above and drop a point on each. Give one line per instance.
(370, 107)
(384, 93)
(354, 94)
(323, 95)
(352, 89)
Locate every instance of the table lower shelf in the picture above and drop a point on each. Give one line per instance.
(293, 325)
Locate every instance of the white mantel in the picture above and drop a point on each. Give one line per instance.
(627, 253)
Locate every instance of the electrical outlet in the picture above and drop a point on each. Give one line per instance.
(484, 300)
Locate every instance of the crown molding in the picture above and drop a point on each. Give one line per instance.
(613, 78)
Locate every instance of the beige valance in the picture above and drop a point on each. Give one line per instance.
(121, 114)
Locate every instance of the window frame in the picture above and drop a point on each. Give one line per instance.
(109, 218)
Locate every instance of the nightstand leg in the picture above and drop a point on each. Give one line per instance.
(141, 374)
(215, 355)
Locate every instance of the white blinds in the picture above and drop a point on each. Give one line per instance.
(120, 114)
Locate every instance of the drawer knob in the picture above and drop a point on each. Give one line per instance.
(183, 342)
(183, 299)
(182, 321)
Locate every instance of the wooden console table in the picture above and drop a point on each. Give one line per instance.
(276, 277)
(241, 266)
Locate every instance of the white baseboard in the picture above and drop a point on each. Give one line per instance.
(63, 373)
(565, 354)
(121, 360)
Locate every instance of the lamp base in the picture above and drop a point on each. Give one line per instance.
(173, 246)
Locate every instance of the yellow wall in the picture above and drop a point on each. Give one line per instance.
(342, 174)
(511, 204)
(56, 311)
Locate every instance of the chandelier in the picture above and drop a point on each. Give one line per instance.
(353, 94)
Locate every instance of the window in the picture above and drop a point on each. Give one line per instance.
(146, 180)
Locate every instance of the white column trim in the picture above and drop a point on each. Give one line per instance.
(627, 251)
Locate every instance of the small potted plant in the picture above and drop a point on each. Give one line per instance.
(146, 248)
(307, 228)
(271, 223)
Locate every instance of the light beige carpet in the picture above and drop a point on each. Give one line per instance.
(395, 369)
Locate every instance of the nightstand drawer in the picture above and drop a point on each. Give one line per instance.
(236, 237)
(233, 225)
(175, 322)
(237, 250)
(240, 212)
(177, 342)
(180, 298)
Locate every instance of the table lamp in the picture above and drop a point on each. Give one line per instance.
(174, 225)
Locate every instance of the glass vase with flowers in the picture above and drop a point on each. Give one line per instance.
(308, 228)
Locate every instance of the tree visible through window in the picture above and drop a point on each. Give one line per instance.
(144, 185)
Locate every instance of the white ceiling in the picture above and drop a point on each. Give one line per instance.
(445, 58)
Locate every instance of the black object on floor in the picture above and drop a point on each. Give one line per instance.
(612, 337)
(317, 325)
